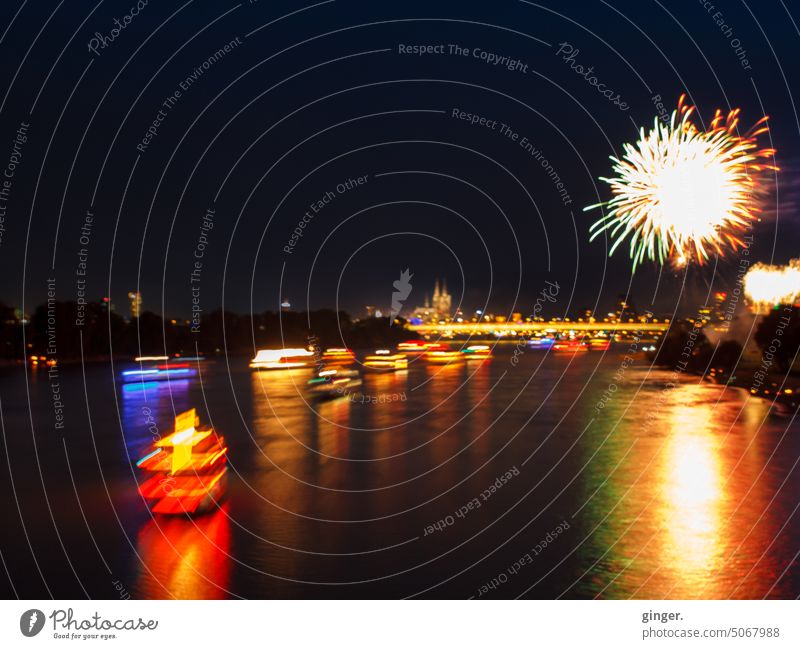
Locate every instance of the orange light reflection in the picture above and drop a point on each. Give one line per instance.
(185, 558)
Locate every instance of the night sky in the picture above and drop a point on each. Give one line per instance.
(261, 110)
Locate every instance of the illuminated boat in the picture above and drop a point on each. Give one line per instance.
(477, 352)
(338, 356)
(36, 361)
(191, 359)
(413, 346)
(333, 383)
(384, 360)
(164, 371)
(187, 469)
(541, 343)
(442, 354)
(570, 346)
(599, 344)
(282, 359)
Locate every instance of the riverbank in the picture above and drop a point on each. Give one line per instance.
(778, 388)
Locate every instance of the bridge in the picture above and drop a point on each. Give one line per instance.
(528, 328)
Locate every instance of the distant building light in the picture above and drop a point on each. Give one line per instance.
(135, 303)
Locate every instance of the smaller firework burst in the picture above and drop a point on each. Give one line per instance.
(682, 193)
(766, 286)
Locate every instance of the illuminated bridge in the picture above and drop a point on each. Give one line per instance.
(527, 328)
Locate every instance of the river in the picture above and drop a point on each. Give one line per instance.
(559, 477)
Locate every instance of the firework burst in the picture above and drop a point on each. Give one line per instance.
(767, 286)
(681, 192)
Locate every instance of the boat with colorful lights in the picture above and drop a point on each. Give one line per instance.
(383, 360)
(187, 469)
(442, 354)
(477, 352)
(599, 344)
(282, 359)
(570, 346)
(414, 346)
(334, 356)
(332, 383)
(37, 361)
(159, 368)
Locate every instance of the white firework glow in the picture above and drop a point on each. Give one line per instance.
(766, 286)
(681, 192)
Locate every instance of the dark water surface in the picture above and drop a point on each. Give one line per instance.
(677, 492)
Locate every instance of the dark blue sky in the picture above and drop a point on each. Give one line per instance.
(298, 105)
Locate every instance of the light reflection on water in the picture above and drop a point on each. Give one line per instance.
(678, 498)
(689, 501)
(692, 503)
(185, 558)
